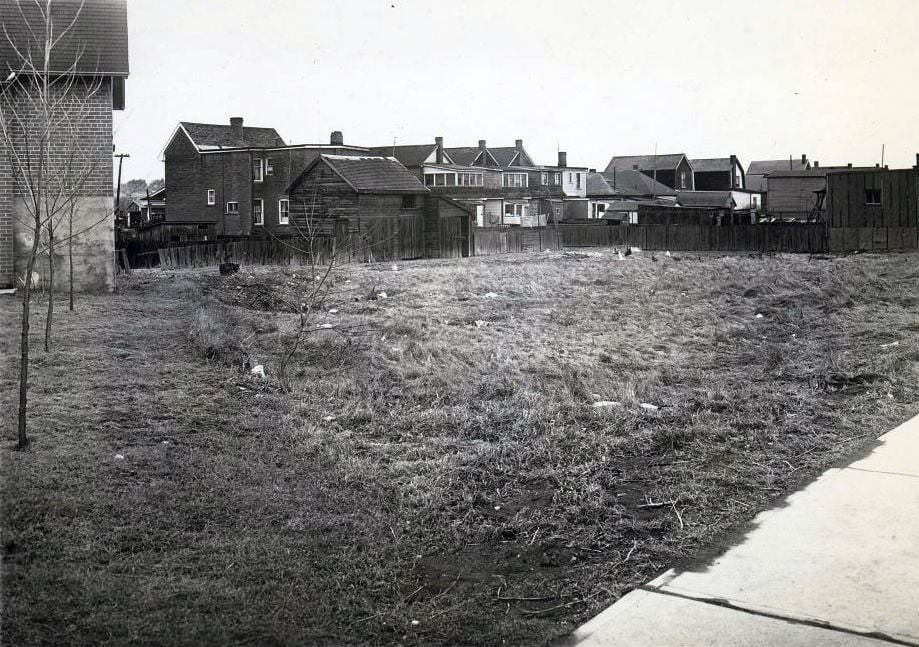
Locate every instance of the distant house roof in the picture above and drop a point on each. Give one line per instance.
(761, 167)
(713, 165)
(667, 162)
(218, 136)
(625, 182)
(716, 199)
(507, 156)
(464, 155)
(409, 155)
(818, 171)
(157, 195)
(368, 174)
(94, 40)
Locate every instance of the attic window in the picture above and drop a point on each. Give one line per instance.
(684, 179)
(872, 196)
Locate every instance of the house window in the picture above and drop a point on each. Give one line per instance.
(515, 180)
(269, 167)
(409, 202)
(570, 178)
(684, 179)
(544, 179)
(599, 210)
(872, 196)
(577, 177)
(211, 197)
(513, 211)
(258, 212)
(258, 170)
(232, 208)
(557, 179)
(283, 211)
(469, 179)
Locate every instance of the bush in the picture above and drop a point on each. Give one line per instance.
(217, 335)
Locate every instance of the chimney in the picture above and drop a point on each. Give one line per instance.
(481, 144)
(440, 149)
(849, 165)
(803, 160)
(518, 145)
(733, 174)
(236, 123)
(816, 164)
(336, 138)
(562, 158)
(917, 160)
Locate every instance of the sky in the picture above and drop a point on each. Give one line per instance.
(836, 80)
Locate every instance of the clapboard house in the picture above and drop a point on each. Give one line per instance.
(231, 179)
(718, 174)
(799, 195)
(92, 50)
(617, 195)
(674, 170)
(757, 171)
(350, 196)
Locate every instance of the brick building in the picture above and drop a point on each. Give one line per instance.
(94, 53)
(231, 180)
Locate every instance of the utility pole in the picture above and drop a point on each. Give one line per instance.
(120, 157)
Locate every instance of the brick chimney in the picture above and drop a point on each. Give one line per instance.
(803, 160)
(236, 124)
(562, 158)
(518, 145)
(336, 138)
(440, 150)
(481, 144)
(816, 164)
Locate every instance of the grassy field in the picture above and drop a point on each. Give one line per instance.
(444, 476)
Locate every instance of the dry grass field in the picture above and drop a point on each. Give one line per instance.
(440, 475)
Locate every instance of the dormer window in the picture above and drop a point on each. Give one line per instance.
(258, 170)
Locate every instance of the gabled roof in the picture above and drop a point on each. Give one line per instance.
(818, 171)
(716, 199)
(219, 136)
(712, 165)
(156, 195)
(761, 167)
(627, 182)
(367, 174)
(667, 162)
(469, 155)
(411, 156)
(94, 40)
(507, 156)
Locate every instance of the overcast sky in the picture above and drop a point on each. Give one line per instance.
(763, 80)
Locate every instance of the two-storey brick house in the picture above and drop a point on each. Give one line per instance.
(93, 48)
(232, 180)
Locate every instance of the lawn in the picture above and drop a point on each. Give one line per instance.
(489, 455)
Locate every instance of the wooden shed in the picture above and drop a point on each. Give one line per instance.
(873, 198)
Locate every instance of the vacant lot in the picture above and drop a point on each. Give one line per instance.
(439, 473)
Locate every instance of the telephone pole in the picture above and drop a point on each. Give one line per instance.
(120, 157)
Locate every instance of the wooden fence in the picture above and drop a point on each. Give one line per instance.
(508, 240)
(792, 238)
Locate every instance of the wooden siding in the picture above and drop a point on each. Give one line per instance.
(846, 206)
(793, 195)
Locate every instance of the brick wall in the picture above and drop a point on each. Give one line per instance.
(91, 145)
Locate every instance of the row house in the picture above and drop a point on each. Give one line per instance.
(502, 185)
(232, 180)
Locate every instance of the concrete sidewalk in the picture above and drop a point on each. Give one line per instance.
(838, 564)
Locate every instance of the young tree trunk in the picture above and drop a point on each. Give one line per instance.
(24, 346)
(50, 316)
(70, 253)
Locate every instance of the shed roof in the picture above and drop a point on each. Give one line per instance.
(666, 162)
(94, 40)
(717, 199)
(369, 174)
(217, 136)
